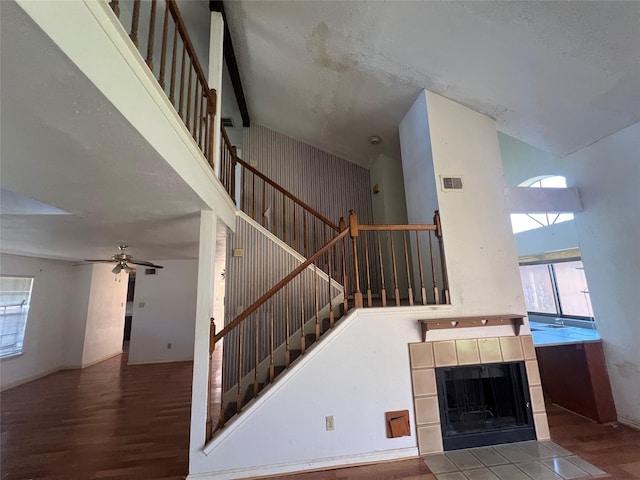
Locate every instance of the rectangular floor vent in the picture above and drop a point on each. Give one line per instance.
(451, 183)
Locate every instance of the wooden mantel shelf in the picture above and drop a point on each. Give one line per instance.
(515, 321)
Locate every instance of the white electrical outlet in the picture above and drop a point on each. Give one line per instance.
(141, 304)
(328, 420)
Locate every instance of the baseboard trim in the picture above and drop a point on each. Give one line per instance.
(94, 362)
(149, 362)
(30, 378)
(309, 465)
(629, 422)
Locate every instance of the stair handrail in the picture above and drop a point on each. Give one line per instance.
(280, 285)
(237, 160)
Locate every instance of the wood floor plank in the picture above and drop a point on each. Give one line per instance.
(113, 421)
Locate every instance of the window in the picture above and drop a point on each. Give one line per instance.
(521, 222)
(556, 289)
(15, 298)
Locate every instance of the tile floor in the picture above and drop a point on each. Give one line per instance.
(515, 461)
(546, 334)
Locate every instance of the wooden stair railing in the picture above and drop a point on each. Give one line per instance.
(395, 259)
(292, 220)
(280, 318)
(288, 316)
(175, 65)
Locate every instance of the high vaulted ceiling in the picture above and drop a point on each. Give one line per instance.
(558, 75)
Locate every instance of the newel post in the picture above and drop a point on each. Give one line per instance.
(212, 347)
(353, 233)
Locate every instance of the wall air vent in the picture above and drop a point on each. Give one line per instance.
(451, 183)
(149, 271)
(227, 122)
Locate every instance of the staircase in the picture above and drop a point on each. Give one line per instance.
(342, 266)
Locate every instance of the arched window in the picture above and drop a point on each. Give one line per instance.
(521, 222)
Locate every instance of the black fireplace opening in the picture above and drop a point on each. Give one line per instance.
(484, 405)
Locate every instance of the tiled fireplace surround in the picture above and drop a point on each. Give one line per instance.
(426, 356)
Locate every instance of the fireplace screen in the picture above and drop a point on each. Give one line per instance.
(484, 405)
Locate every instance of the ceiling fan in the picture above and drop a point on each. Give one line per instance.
(122, 261)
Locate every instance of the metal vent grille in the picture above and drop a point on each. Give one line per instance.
(452, 183)
(227, 122)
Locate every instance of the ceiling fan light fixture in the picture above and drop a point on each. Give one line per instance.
(127, 268)
(117, 269)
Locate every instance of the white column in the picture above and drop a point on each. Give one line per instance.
(441, 138)
(204, 311)
(216, 58)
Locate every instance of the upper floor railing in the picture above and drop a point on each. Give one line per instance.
(157, 29)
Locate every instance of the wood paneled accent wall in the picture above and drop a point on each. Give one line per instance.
(330, 184)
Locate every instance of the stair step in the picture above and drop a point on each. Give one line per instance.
(309, 339)
(293, 354)
(248, 396)
(230, 411)
(279, 369)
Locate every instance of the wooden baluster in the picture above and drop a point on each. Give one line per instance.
(423, 291)
(443, 266)
(134, 22)
(316, 299)
(240, 366)
(264, 201)
(383, 292)
(302, 319)
(201, 120)
(395, 271)
(436, 293)
(273, 212)
(163, 53)
(272, 367)
(353, 233)
(315, 235)
(115, 6)
(181, 103)
(211, 113)
(174, 60)
(196, 111)
(284, 216)
(304, 233)
(212, 347)
(332, 318)
(287, 327)
(366, 259)
(253, 196)
(342, 225)
(256, 348)
(234, 156)
(152, 31)
(406, 261)
(295, 240)
(187, 119)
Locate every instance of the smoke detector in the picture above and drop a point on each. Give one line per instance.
(375, 140)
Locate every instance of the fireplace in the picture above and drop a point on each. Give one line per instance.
(484, 405)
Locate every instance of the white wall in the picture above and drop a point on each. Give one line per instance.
(49, 315)
(418, 163)
(479, 245)
(105, 314)
(168, 315)
(607, 174)
(368, 358)
(389, 204)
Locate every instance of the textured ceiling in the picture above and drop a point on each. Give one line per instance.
(557, 75)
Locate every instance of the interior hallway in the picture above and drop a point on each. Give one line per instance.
(113, 421)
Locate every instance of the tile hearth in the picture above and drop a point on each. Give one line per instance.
(514, 461)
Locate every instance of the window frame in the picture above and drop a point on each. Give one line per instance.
(16, 351)
(556, 292)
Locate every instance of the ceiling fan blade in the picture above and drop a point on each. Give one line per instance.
(145, 264)
(99, 261)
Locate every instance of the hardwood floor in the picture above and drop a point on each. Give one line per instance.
(108, 421)
(113, 421)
